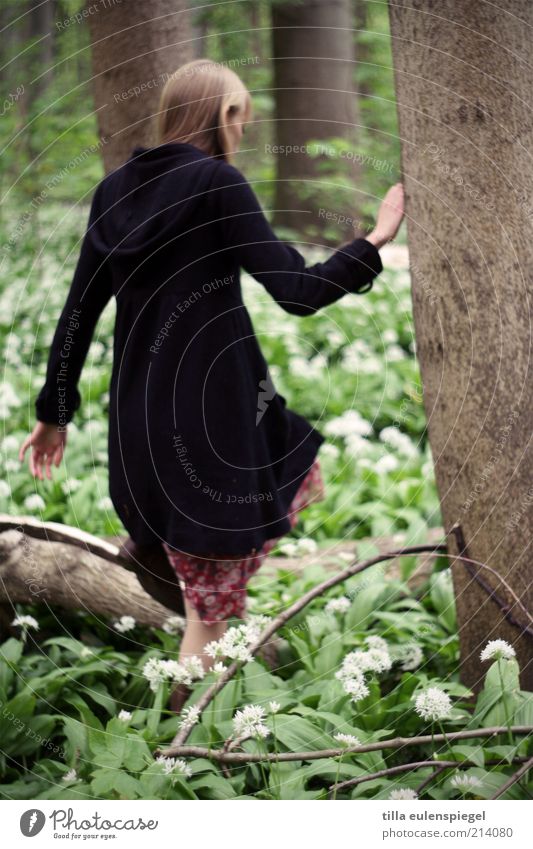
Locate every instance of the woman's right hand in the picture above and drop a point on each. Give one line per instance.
(47, 442)
(390, 216)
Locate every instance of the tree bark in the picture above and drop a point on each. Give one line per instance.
(67, 576)
(313, 48)
(463, 83)
(135, 46)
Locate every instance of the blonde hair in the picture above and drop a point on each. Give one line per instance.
(196, 103)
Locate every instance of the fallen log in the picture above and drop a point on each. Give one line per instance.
(58, 565)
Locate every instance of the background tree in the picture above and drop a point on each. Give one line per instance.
(142, 47)
(313, 51)
(464, 82)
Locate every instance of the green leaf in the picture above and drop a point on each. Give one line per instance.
(443, 598)
(468, 753)
(298, 734)
(215, 786)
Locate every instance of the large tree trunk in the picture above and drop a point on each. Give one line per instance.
(313, 47)
(464, 81)
(135, 46)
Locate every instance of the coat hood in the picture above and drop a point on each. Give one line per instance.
(150, 198)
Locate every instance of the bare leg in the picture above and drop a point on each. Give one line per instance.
(196, 636)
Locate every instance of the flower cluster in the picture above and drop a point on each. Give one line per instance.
(403, 793)
(157, 670)
(433, 704)
(26, 622)
(338, 605)
(376, 659)
(298, 548)
(176, 766)
(189, 716)
(174, 624)
(236, 641)
(125, 623)
(465, 782)
(410, 656)
(497, 650)
(249, 722)
(347, 739)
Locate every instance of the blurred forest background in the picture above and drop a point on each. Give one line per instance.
(49, 129)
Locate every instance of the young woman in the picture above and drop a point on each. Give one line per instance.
(206, 462)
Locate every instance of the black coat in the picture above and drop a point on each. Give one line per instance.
(203, 452)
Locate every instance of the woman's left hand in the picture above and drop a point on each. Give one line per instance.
(48, 444)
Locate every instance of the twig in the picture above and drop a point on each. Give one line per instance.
(435, 765)
(513, 779)
(395, 743)
(435, 774)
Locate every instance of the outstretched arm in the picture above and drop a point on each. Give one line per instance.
(59, 397)
(281, 269)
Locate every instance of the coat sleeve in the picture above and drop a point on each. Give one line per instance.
(89, 292)
(278, 266)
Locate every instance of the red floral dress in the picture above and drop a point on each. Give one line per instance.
(217, 588)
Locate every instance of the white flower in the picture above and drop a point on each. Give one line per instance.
(182, 768)
(497, 650)
(189, 716)
(350, 423)
(174, 624)
(387, 463)
(306, 546)
(219, 667)
(400, 441)
(375, 642)
(105, 504)
(5, 489)
(329, 450)
(347, 739)
(70, 485)
(125, 715)
(8, 396)
(356, 688)
(249, 722)
(403, 793)
(465, 782)
(347, 556)
(274, 707)
(395, 353)
(433, 704)
(289, 549)
(338, 605)
(125, 623)
(26, 622)
(34, 502)
(410, 656)
(10, 443)
(11, 466)
(175, 765)
(373, 660)
(193, 668)
(236, 641)
(356, 445)
(71, 775)
(154, 672)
